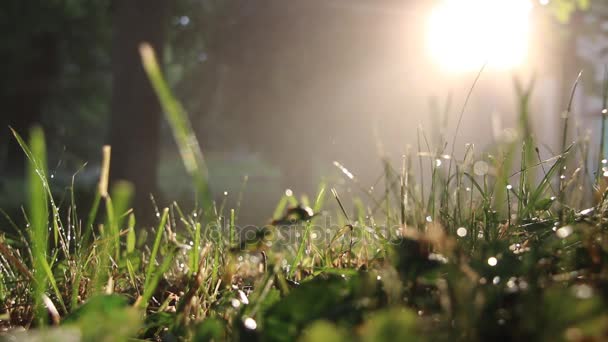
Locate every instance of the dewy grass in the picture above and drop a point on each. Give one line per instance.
(487, 254)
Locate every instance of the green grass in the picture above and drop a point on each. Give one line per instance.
(479, 253)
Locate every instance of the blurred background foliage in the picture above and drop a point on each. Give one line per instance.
(222, 57)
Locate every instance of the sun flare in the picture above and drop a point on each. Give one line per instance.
(463, 35)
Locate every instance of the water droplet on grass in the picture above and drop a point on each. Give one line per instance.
(509, 186)
(250, 323)
(564, 232)
(184, 20)
(492, 261)
(288, 192)
(462, 232)
(243, 297)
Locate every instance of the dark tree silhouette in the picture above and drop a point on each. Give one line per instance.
(135, 117)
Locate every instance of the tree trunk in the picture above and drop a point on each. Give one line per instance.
(135, 118)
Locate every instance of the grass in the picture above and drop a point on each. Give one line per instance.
(479, 253)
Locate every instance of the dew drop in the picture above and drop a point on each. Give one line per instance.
(492, 261)
(250, 323)
(288, 192)
(564, 232)
(462, 232)
(243, 298)
(184, 20)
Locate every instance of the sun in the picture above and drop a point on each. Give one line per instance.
(463, 35)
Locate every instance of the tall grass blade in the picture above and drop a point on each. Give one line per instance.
(183, 133)
(155, 248)
(602, 154)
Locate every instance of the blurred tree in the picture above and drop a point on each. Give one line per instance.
(135, 118)
(53, 61)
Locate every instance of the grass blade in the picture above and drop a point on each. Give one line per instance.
(183, 133)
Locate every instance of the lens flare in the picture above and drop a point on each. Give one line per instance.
(463, 35)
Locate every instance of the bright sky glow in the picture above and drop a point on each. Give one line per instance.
(465, 34)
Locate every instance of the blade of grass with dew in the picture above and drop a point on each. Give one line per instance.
(569, 111)
(155, 247)
(153, 279)
(604, 112)
(40, 197)
(523, 98)
(318, 205)
(183, 133)
(102, 191)
(194, 252)
(561, 193)
(232, 238)
(464, 107)
(545, 183)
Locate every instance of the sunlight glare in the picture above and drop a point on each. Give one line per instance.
(465, 34)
